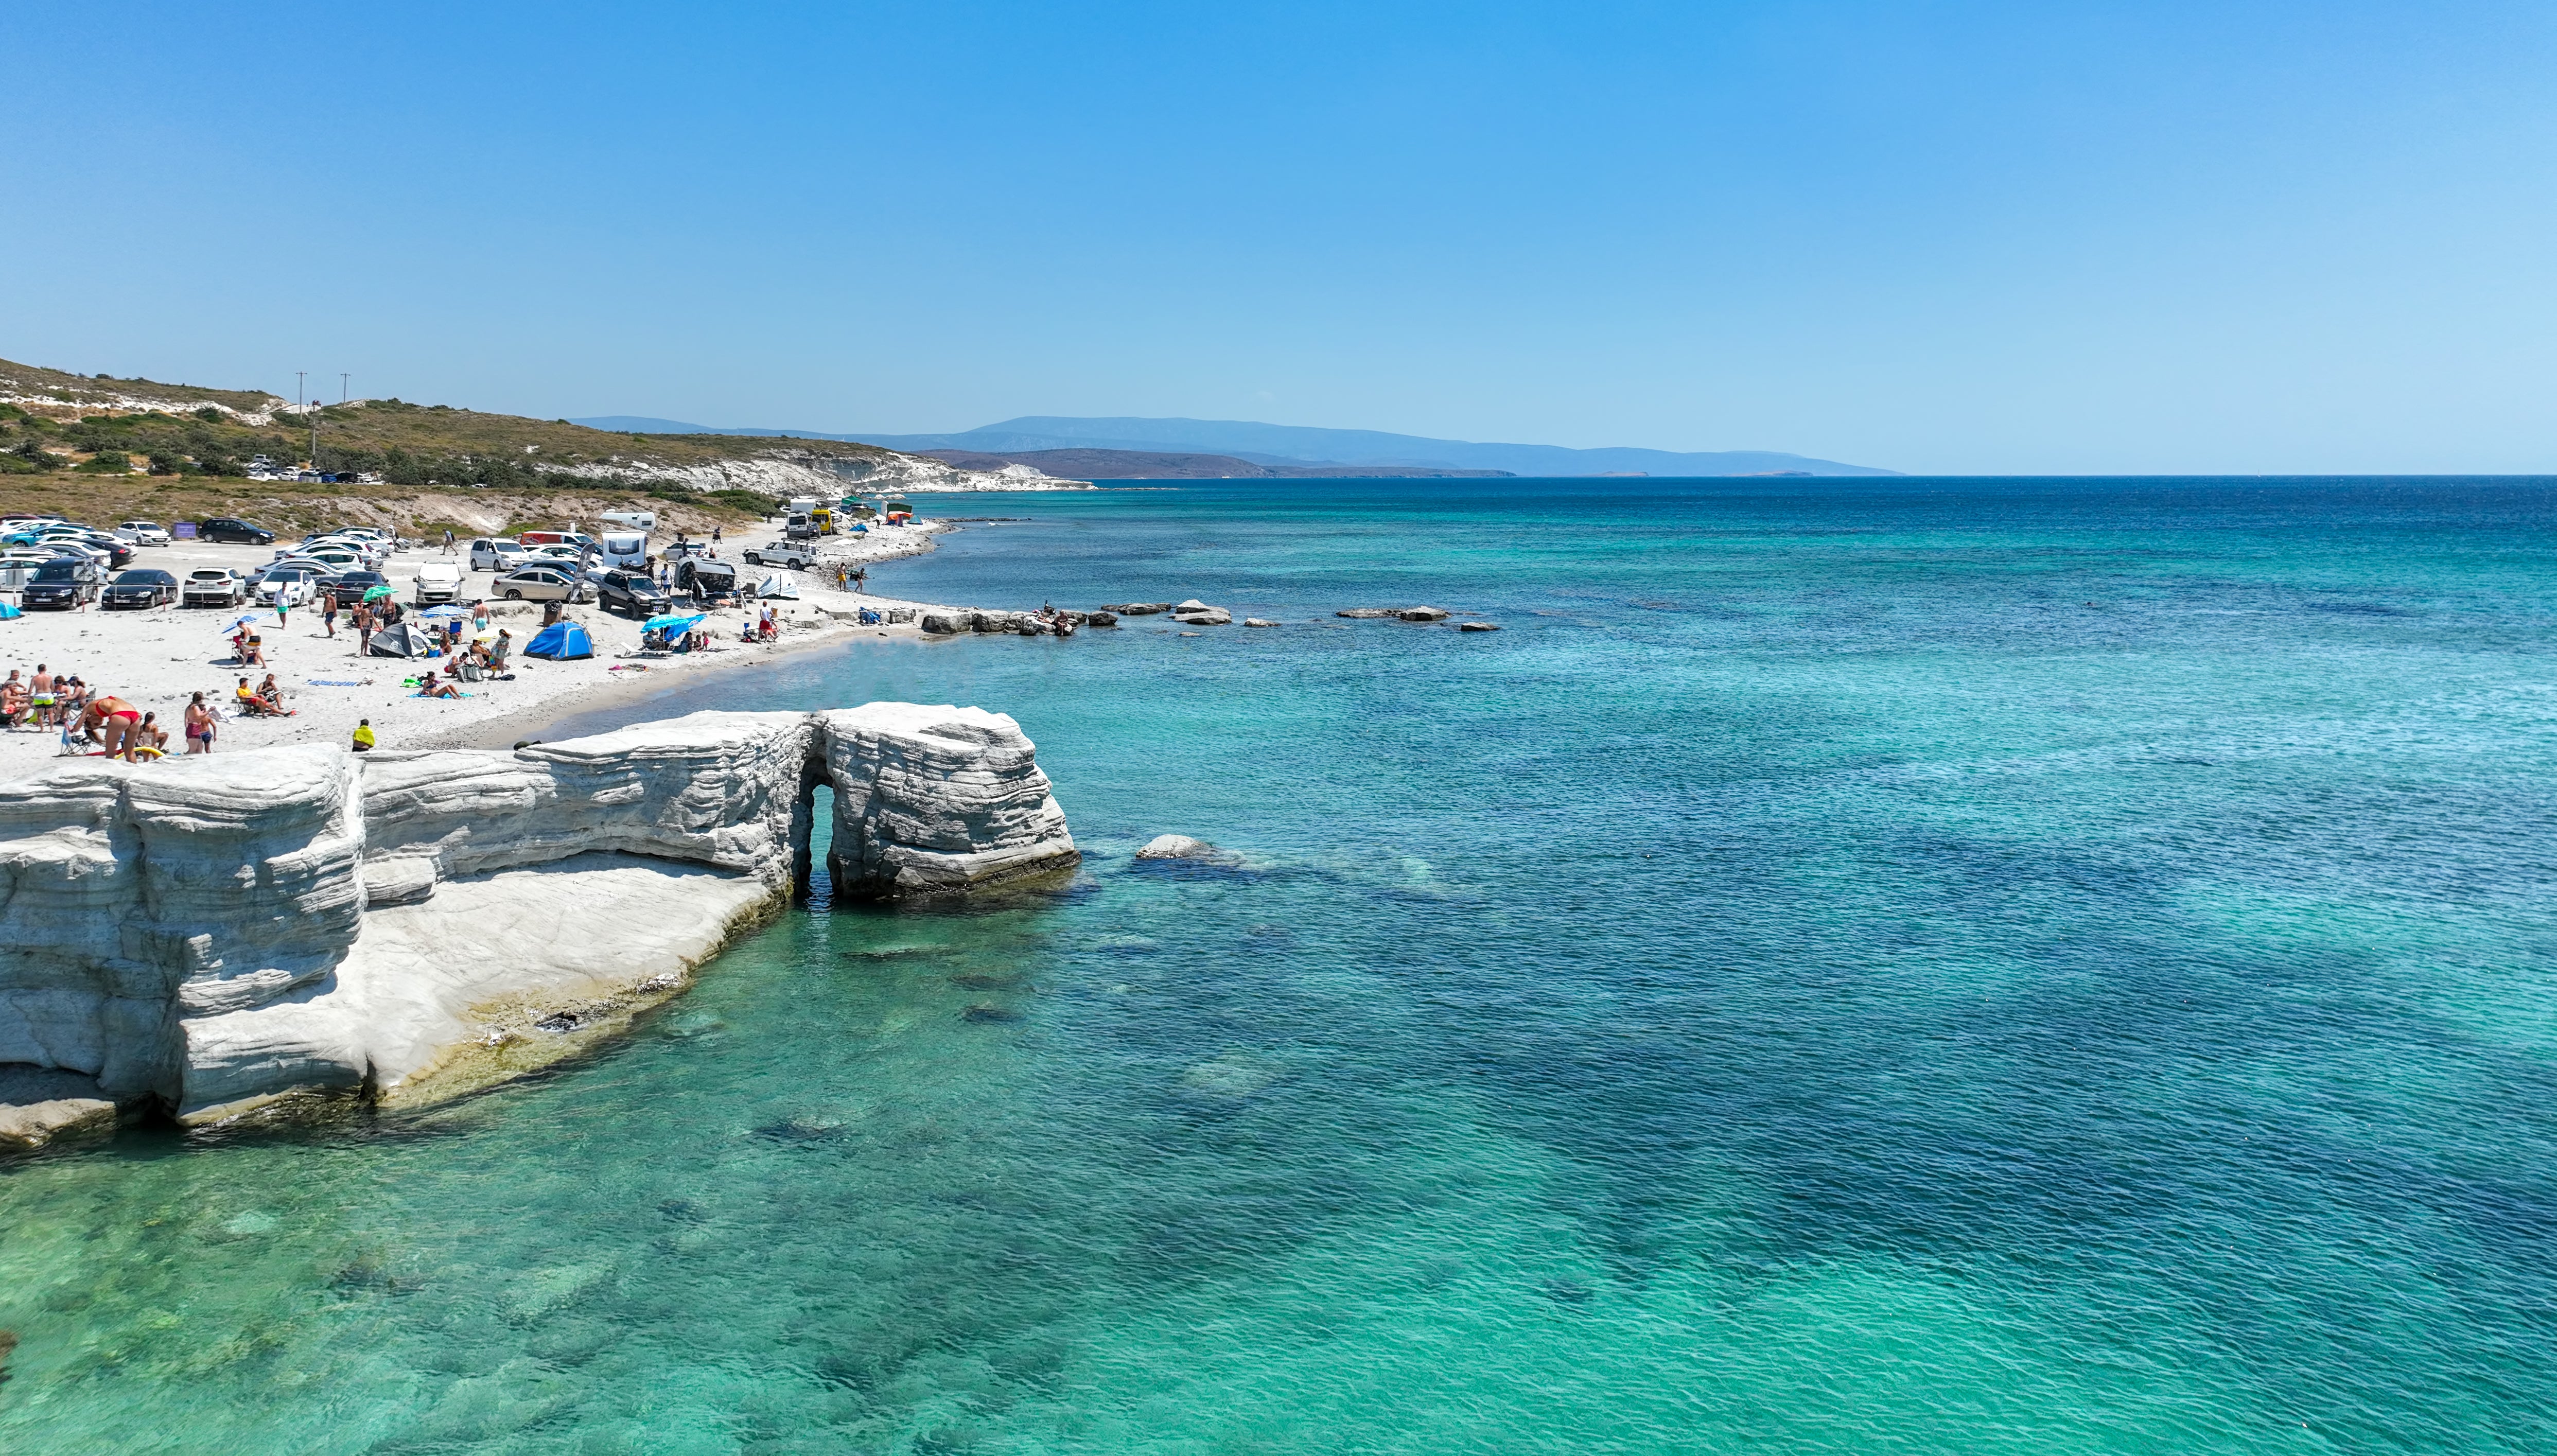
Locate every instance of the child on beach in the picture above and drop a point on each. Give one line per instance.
(365, 737)
(199, 725)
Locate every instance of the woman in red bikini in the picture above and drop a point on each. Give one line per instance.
(110, 721)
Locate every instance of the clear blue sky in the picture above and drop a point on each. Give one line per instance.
(1940, 238)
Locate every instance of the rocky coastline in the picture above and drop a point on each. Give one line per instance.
(294, 931)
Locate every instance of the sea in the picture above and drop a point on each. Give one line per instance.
(1877, 965)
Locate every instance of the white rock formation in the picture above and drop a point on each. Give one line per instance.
(219, 933)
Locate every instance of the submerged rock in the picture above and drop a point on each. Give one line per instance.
(1179, 846)
(1368, 614)
(986, 1012)
(1140, 608)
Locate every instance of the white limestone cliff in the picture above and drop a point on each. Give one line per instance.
(220, 933)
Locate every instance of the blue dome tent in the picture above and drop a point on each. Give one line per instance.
(559, 642)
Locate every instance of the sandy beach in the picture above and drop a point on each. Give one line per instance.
(155, 659)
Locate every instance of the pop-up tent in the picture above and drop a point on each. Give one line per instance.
(395, 641)
(777, 585)
(560, 642)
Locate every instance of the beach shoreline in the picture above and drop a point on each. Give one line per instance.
(156, 659)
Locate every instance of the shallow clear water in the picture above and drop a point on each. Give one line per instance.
(1853, 966)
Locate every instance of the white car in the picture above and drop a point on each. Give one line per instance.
(496, 556)
(789, 554)
(286, 585)
(143, 533)
(554, 555)
(212, 587)
(438, 581)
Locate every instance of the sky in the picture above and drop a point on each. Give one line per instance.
(1937, 237)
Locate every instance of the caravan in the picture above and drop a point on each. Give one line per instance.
(625, 551)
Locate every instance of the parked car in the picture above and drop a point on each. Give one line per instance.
(499, 555)
(143, 533)
(542, 584)
(633, 592)
(438, 581)
(802, 528)
(348, 588)
(782, 554)
(213, 586)
(114, 550)
(566, 557)
(334, 558)
(231, 528)
(286, 585)
(144, 586)
(532, 539)
(62, 584)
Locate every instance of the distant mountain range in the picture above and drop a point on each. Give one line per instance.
(1292, 446)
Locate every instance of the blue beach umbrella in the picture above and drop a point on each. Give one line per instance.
(235, 623)
(448, 609)
(670, 620)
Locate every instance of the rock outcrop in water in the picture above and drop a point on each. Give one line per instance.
(219, 933)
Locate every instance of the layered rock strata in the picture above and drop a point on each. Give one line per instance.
(220, 933)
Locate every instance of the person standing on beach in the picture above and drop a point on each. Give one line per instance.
(329, 614)
(447, 540)
(199, 725)
(363, 629)
(40, 696)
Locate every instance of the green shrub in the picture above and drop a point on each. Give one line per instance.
(109, 463)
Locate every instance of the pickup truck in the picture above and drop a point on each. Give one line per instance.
(789, 554)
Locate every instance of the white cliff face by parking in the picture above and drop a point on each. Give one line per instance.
(284, 928)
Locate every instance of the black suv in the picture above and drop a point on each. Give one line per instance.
(144, 586)
(65, 582)
(634, 592)
(228, 528)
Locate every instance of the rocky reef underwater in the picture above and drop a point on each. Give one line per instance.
(294, 931)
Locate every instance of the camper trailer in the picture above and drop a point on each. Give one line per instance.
(625, 549)
(642, 522)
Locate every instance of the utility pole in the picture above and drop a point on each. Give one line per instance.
(342, 387)
(310, 416)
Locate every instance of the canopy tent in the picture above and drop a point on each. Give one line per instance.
(776, 585)
(679, 622)
(561, 642)
(398, 639)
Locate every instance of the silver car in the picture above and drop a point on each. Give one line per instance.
(542, 584)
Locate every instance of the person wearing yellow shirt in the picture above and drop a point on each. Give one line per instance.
(365, 737)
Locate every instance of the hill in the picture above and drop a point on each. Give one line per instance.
(98, 447)
(1138, 464)
(1306, 445)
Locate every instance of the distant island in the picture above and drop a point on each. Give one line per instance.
(1289, 449)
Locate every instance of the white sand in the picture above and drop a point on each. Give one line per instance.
(155, 659)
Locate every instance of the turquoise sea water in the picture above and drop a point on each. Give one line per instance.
(1901, 965)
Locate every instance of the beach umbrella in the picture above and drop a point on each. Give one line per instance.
(670, 619)
(237, 622)
(376, 593)
(448, 609)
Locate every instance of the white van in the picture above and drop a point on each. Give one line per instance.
(625, 549)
